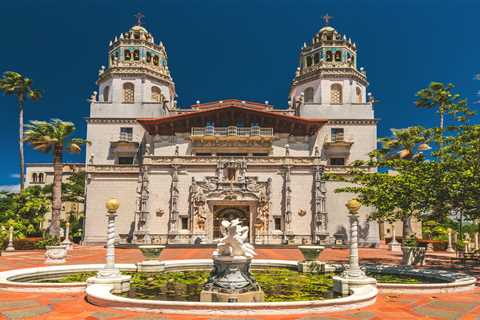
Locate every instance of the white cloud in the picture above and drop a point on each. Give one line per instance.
(15, 175)
(10, 187)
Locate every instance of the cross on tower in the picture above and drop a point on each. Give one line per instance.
(139, 17)
(326, 19)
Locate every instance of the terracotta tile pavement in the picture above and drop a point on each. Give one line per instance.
(16, 305)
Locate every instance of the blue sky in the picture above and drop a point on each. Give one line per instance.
(245, 49)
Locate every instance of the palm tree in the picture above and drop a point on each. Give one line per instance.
(54, 137)
(14, 83)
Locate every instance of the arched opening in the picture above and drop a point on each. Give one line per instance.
(358, 95)
(106, 93)
(155, 60)
(127, 54)
(34, 178)
(128, 92)
(308, 94)
(230, 213)
(329, 56)
(149, 57)
(309, 61)
(336, 96)
(40, 178)
(338, 56)
(316, 58)
(136, 54)
(156, 94)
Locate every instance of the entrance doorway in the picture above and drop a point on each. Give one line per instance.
(229, 213)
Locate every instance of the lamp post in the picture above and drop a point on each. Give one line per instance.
(353, 277)
(110, 275)
(109, 270)
(10, 246)
(450, 247)
(67, 241)
(354, 270)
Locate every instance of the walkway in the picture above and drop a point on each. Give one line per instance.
(73, 305)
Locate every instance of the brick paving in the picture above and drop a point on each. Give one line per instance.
(17, 305)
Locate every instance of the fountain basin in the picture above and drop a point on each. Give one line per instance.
(101, 294)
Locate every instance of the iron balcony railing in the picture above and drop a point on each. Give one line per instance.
(232, 131)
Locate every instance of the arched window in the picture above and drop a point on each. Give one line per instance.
(40, 178)
(34, 177)
(308, 94)
(149, 57)
(336, 96)
(338, 56)
(106, 93)
(127, 54)
(136, 54)
(155, 60)
(309, 61)
(128, 92)
(358, 95)
(329, 56)
(156, 94)
(316, 58)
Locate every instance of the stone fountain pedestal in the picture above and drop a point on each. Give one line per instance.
(231, 281)
(151, 254)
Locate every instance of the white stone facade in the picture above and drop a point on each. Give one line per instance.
(177, 172)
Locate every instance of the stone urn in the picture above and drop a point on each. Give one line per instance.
(311, 253)
(151, 254)
(55, 254)
(413, 256)
(311, 263)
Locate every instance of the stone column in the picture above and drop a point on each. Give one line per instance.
(476, 241)
(353, 275)
(287, 232)
(109, 269)
(394, 245)
(354, 265)
(174, 194)
(10, 246)
(67, 241)
(110, 275)
(450, 247)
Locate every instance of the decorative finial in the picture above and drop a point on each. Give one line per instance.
(326, 19)
(139, 17)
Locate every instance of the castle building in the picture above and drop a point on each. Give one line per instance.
(178, 172)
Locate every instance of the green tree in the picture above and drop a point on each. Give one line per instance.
(440, 96)
(24, 211)
(54, 137)
(15, 84)
(396, 195)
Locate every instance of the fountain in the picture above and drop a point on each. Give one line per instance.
(230, 280)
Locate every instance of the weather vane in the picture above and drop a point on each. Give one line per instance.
(326, 19)
(139, 17)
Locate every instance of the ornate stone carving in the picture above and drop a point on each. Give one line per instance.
(287, 198)
(174, 194)
(142, 205)
(319, 205)
(233, 243)
(198, 205)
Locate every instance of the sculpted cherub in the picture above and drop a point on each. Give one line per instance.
(233, 241)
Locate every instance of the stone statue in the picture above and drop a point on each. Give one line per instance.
(233, 244)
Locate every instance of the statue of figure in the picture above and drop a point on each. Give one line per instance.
(199, 209)
(233, 241)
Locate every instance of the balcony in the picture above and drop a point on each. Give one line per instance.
(231, 131)
(337, 144)
(231, 139)
(124, 144)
